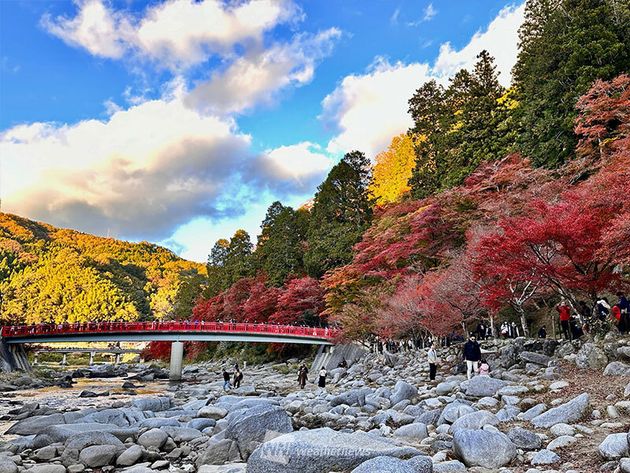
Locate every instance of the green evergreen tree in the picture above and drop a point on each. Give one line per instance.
(217, 277)
(238, 260)
(279, 252)
(564, 46)
(341, 211)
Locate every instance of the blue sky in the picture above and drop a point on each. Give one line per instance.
(180, 121)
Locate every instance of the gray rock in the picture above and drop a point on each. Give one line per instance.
(624, 465)
(545, 457)
(182, 434)
(591, 356)
(403, 390)
(321, 451)
(212, 412)
(483, 386)
(446, 387)
(537, 358)
(250, 427)
(130, 456)
(474, 421)
(561, 442)
(351, 398)
(525, 439)
(452, 466)
(201, 424)
(218, 453)
(35, 425)
(454, 411)
(47, 468)
(614, 446)
(231, 468)
(97, 456)
(566, 413)
(415, 432)
(483, 448)
(7, 465)
(617, 368)
(87, 439)
(384, 465)
(152, 403)
(45, 453)
(61, 433)
(535, 411)
(153, 438)
(158, 422)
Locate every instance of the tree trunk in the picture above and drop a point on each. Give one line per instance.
(521, 313)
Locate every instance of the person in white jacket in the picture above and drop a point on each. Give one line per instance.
(433, 360)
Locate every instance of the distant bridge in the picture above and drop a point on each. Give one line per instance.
(170, 331)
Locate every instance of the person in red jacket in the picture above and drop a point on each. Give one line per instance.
(616, 314)
(565, 316)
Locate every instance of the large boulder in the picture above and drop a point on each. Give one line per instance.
(474, 421)
(7, 465)
(566, 413)
(591, 356)
(321, 451)
(483, 386)
(454, 411)
(61, 433)
(212, 412)
(395, 465)
(155, 438)
(130, 456)
(75, 444)
(536, 358)
(484, 448)
(97, 456)
(403, 390)
(251, 427)
(34, 425)
(545, 457)
(614, 447)
(617, 368)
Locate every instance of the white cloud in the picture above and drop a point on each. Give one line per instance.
(500, 39)
(174, 33)
(369, 109)
(429, 12)
(145, 170)
(257, 77)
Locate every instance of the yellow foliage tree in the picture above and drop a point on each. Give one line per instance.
(392, 170)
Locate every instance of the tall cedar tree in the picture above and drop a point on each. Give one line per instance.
(239, 261)
(460, 126)
(279, 252)
(341, 212)
(564, 46)
(217, 278)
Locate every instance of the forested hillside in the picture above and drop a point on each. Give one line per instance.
(496, 204)
(49, 274)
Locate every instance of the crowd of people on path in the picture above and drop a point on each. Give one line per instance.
(576, 319)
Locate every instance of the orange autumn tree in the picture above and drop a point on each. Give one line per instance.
(392, 170)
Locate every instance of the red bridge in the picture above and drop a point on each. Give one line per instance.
(166, 331)
(12, 336)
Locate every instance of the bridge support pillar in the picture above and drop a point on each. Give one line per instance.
(64, 362)
(177, 358)
(117, 359)
(91, 358)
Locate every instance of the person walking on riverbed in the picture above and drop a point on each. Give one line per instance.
(322, 378)
(226, 380)
(302, 375)
(432, 358)
(472, 355)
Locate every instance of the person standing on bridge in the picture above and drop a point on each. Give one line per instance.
(226, 380)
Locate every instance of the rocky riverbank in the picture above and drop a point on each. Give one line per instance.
(546, 407)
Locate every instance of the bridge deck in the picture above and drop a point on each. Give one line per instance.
(166, 331)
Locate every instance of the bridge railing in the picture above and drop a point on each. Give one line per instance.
(17, 331)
